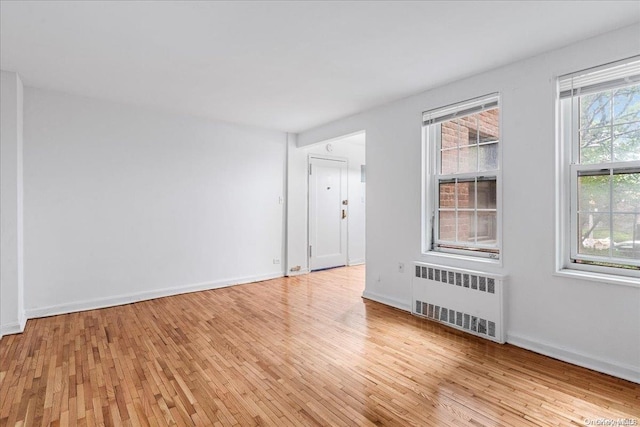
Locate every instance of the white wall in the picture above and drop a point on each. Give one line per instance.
(12, 318)
(593, 324)
(124, 203)
(297, 203)
(297, 242)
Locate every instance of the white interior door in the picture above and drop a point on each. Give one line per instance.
(327, 213)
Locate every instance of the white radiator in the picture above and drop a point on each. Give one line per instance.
(468, 300)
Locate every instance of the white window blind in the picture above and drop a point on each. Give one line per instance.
(462, 109)
(617, 74)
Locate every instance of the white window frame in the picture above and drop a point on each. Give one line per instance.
(431, 138)
(568, 169)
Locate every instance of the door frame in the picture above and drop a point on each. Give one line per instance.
(330, 158)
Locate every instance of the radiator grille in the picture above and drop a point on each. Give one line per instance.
(461, 320)
(476, 282)
(463, 299)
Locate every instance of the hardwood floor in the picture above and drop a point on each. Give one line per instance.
(296, 351)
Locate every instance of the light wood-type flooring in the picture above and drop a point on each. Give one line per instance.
(287, 352)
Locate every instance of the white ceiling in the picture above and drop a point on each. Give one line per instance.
(281, 65)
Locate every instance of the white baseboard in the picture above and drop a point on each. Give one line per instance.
(402, 305)
(23, 321)
(143, 296)
(10, 328)
(298, 273)
(626, 372)
(16, 327)
(358, 261)
(629, 373)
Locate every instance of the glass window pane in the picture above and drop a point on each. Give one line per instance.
(466, 226)
(447, 191)
(593, 238)
(605, 219)
(487, 194)
(459, 149)
(468, 130)
(489, 125)
(626, 141)
(488, 157)
(466, 194)
(487, 228)
(626, 236)
(449, 161)
(595, 110)
(626, 192)
(447, 226)
(629, 249)
(449, 135)
(593, 193)
(467, 134)
(626, 104)
(468, 160)
(595, 145)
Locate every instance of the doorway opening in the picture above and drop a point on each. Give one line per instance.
(336, 202)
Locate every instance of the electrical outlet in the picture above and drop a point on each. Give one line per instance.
(401, 267)
(276, 260)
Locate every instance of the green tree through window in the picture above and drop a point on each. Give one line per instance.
(609, 197)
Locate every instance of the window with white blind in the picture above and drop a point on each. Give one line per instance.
(599, 150)
(461, 189)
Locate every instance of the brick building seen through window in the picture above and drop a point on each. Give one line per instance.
(467, 199)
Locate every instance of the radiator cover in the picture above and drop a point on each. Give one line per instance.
(471, 301)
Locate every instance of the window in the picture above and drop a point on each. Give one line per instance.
(600, 147)
(461, 188)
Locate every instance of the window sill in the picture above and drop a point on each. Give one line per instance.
(599, 277)
(457, 260)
